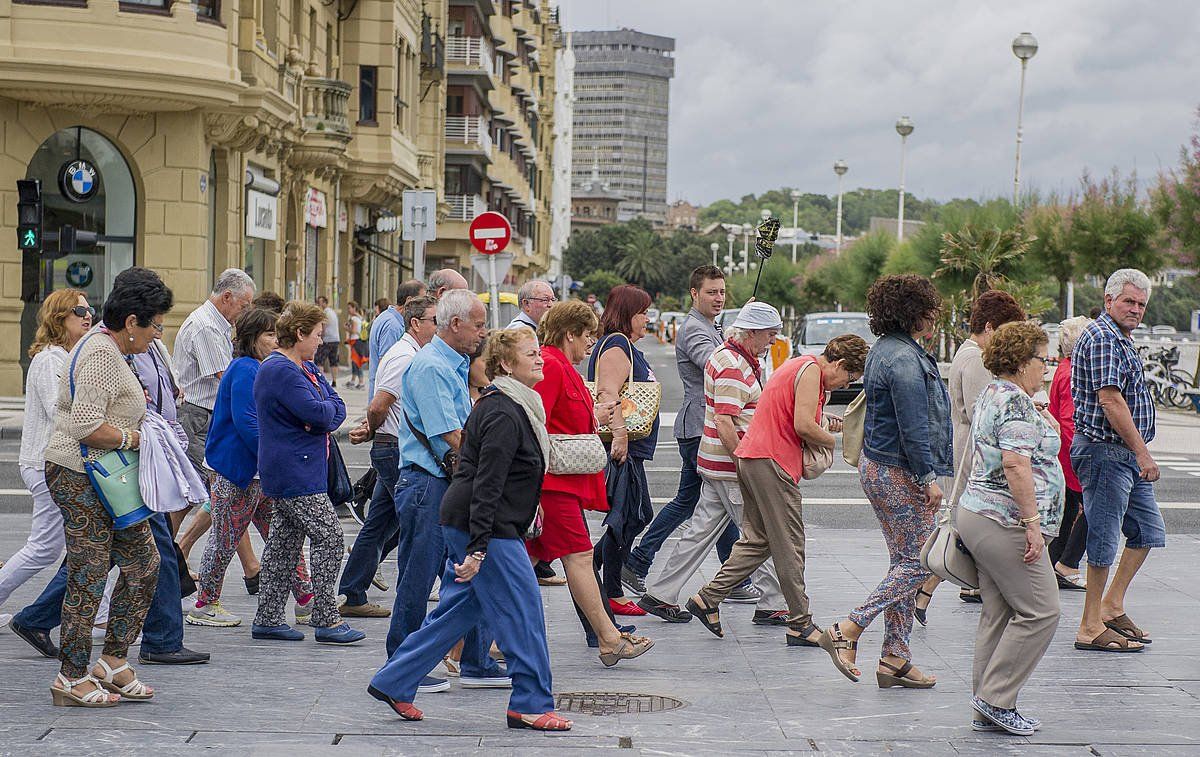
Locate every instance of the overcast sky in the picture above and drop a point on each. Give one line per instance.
(769, 93)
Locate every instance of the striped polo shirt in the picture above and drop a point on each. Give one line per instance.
(730, 388)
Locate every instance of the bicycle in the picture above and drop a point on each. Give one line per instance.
(1168, 386)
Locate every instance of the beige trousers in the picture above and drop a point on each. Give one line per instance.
(1020, 608)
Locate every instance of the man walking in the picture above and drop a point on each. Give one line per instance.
(331, 341)
(1114, 421)
(534, 298)
(387, 329)
(383, 424)
(697, 340)
(435, 404)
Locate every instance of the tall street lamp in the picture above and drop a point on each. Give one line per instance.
(714, 247)
(795, 222)
(904, 127)
(840, 168)
(745, 264)
(731, 237)
(1024, 47)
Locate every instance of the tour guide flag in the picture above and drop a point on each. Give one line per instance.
(764, 245)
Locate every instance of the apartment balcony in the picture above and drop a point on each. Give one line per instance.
(470, 55)
(465, 207)
(468, 134)
(325, 121)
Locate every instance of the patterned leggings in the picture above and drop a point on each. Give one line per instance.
(907, 522)
(233, 510)
(311, 515)
(92, 547)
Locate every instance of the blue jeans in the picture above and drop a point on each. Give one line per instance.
(506, 592)
(378, 534)
(677, 512)
(421, 556)
(163, 630)
(1116, 500)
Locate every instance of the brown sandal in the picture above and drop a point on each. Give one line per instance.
(833, 640)
(1123, 625)
(899, 677)
(1110, 641)
(709, 617)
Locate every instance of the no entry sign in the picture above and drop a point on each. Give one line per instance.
(490, 232)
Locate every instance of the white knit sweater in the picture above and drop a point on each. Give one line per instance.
(41, 393)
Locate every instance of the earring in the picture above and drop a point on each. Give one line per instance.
(131, 338)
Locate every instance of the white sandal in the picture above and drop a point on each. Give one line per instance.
(63, 693)
(135, 689)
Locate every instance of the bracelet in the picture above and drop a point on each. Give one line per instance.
(478, 556)
(124, 440)
(1030, 520)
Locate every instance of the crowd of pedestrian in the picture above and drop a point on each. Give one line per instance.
(488, 449)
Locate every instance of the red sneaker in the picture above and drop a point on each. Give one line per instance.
(625, 608)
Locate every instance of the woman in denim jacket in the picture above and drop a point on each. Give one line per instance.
(906, 446)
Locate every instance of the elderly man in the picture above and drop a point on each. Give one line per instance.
(435, 404)
(1114, 421)
(387, 329)
(534, 298)
(445, 280)
(383, 424)
(732, 386)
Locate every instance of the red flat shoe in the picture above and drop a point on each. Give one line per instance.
(403, 709)
(547, 721)
(625, 608)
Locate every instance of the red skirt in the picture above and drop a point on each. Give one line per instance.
(564, 531)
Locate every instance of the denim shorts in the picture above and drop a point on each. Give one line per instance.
(1115, 500)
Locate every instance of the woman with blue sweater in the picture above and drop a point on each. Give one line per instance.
(297, 410)
(232, 453)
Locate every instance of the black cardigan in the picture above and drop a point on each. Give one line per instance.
(496, 488)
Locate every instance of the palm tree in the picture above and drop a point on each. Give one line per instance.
(643, 260)
(987, 254)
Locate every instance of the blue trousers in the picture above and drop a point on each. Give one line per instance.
(378, 534)
(677, 512)
(163, 630)
(420, 555)
(505, 591)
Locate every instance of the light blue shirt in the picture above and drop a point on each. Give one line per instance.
(386, 330)
(435, 398)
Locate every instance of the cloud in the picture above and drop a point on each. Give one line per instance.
(769, 94)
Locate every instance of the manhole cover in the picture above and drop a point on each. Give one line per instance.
(614, 702)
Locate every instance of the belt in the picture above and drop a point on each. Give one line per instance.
(386, 440)
(198, 407)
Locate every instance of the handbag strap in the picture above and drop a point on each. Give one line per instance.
(71, 380)
(600, 354)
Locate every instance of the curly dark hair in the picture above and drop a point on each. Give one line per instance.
(900, 302)
(994, 307)
(1013, 345)
(138, 292)
(269, 301)
(851, 349)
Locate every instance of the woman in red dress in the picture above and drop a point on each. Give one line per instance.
(567, 333)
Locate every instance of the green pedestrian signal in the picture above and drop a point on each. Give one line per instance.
(28, 239)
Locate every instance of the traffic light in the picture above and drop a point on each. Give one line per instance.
(29, 214)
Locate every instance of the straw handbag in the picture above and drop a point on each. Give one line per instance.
(639, 402)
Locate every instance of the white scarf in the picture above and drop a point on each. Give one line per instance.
(531, 402)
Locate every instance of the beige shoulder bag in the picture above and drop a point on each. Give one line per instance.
(639, 402)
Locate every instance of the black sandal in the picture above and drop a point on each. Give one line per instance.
(801, 638)
(709, 617)
(919, 612)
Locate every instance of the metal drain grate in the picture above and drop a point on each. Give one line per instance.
(614, 702)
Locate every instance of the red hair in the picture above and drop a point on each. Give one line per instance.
(623, 303)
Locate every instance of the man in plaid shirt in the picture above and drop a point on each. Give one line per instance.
(1114, 421)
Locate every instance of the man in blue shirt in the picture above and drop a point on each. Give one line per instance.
(435, 404)
(1114, 421)
(387, 329)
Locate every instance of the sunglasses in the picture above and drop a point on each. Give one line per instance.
(84, 312)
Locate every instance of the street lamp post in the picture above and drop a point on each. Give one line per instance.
(904, 127)
(795, 222)
(1024, 47)
(840, 168)
(745, 264)
(714, 247)
(731, 237)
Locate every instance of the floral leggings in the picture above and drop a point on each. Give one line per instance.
(233, 510)
(907, 522)
(294, 518)
(92, 547)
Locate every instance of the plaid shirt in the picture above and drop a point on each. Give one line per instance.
(1105, 357)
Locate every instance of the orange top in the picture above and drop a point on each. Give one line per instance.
(772, 433)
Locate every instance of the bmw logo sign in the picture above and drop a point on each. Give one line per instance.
(78, 181)
(79, 274)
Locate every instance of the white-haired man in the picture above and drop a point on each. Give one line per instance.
(534, 298)
(1114, 421)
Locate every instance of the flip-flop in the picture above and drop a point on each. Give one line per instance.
(703, 614)
(1127, 628)
(1105, 641)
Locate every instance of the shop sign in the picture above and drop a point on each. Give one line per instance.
(316, 214)
(261, 214)
(77, 180)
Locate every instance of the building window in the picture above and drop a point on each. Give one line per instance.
(368, 80)
(209, 9)
(145, 6)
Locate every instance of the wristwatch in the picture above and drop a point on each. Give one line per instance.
(927, 479)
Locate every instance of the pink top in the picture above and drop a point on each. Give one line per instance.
(1062, 407)
(772, 433)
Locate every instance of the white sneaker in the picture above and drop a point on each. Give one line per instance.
(304, 613)
(212, 614)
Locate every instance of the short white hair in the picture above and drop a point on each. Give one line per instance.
(530, 289)
(1068, 334)
(233, 280)
(456, 303)
(736, 334)
(1117, 281)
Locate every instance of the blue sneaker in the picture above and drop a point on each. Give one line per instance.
(342, 634)
(1009, 720)
(276, 633)
(431, 685)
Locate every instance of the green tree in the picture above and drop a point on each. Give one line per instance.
(1111, 229)
(1050, 246)
(844, 280)
(985, 255)
(779, 286)
(642, 259)
(1176, 203)
(600, 283)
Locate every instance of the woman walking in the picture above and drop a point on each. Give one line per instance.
(232, 452)
(100, 408)
(623, 323)
(567, 334)
(485, 513)
(906, 446)
(63, 319)
(297, 410)
(1067, 548)
(1012, 502)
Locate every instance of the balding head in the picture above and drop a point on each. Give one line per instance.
(444, 281)
(535, 298)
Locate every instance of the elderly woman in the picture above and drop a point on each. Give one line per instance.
(1013, 499)
(490, 504)
(231, 451)
(297, 410)
(906, 446)
(623, 323)
(100, 408)
(567, 333)
(62, 321)
(1067, 548)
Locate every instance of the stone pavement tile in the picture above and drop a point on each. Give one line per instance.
(249, 742)
(1138, 750)
(105, 735)
(988, 745)
(857, 748)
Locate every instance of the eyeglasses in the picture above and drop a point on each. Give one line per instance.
(1039, 358)
(84, 312)
(158, 327)
(543, 299)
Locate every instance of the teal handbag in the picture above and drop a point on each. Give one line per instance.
(114, 475)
